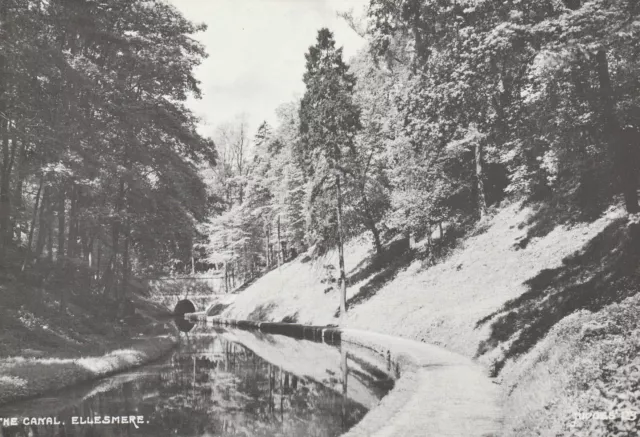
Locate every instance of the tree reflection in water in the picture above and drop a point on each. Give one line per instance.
(210, 387)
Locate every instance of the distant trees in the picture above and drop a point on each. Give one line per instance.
(98, 149)
(261, 192)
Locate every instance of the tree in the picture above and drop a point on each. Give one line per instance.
(329, 122)
(372, 94)
(98, 148)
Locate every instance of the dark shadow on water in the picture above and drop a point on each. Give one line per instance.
(183, 324)
(605, 271)
(210, 386)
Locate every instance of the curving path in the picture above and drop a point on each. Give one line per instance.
(438, 393)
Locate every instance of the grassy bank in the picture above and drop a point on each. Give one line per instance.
(45, 345)
(514, 295)
(22, 377)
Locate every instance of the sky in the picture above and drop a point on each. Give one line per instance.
(256, 53)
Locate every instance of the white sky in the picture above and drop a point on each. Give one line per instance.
(256, 53)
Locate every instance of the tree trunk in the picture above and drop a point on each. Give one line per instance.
(482, 201)
(19, 207)
(126, 264)
(73, 222)
(108, 276)
(22, 172)
(343, 276)
(8, 158)
(621, 143)
(50, 228)
(233, 274)
(85, 242)
(226, 277)
(61, 223)
(268, 249)
(370, 223)
(42, 227)
(98, 259)
(116, 229)
(279, 252)
(244, 263)
(27, 258)
(376, 238)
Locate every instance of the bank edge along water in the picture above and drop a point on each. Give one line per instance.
(438, 392)
(40, 377)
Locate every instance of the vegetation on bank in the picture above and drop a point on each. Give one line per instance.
(547, 311)
(99, 185)
(23, 378)
(451, 109)
(45, 346)
(98, 162)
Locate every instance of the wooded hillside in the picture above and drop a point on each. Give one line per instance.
(451, 108)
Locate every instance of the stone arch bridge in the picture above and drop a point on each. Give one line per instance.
(201, 292)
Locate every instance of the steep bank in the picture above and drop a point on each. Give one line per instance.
(511, 296)
(45, 348)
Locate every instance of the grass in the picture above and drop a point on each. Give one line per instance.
(588, 362)
(514, 294)
(601, 273)
(44, 346)
(28, 377)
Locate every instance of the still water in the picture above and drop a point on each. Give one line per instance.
(217, 383)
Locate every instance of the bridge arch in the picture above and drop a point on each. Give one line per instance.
(183, 307)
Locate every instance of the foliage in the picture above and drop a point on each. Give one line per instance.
(99, 149)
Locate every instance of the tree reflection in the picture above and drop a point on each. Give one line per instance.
(212, 387)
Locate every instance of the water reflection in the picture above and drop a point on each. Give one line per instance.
(210, 387)
(183, 324)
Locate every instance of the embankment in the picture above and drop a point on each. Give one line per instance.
(22, 378)
(44, 347)
(513, 296)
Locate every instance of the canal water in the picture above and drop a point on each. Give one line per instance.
(217, 383)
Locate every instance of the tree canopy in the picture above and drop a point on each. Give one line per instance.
(450, 109)
(98, 147)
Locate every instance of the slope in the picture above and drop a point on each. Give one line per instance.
(511, 294)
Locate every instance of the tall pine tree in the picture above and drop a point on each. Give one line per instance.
(329, 122)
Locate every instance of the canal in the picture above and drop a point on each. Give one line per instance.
(218, 383)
